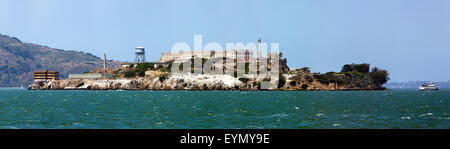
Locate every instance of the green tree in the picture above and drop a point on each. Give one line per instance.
(130, 74)
(281, 81)
(379, 76)
(347, 68)
(363, 68)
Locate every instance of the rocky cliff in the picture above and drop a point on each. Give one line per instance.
(166, 81)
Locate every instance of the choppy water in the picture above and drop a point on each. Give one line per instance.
(224, 109)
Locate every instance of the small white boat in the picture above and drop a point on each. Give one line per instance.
(428, 87)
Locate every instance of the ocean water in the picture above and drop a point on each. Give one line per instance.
(22, 109)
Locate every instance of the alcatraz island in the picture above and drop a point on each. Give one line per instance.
(240, 70)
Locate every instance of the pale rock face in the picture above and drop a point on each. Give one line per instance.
(171, 82)
(153, 74)
(204, 81)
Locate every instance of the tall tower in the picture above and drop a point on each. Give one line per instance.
(104, 66)
(140, 55)
(104, 62)
(259, 48)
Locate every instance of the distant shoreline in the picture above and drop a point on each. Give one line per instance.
(13, 88)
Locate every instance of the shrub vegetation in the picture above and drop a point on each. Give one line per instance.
(379, 76)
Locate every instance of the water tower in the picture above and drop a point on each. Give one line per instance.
(140, 55)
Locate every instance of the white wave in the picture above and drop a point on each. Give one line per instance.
(406, 117)
(426, 114)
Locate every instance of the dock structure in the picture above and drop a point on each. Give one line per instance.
(43, 76)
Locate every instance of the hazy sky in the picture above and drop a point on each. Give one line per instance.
(409, 38)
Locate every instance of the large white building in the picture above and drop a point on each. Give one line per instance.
(208, 54)
(244, 54)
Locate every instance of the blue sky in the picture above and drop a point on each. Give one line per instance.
(409, 38)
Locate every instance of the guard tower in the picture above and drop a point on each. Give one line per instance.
(140, 55)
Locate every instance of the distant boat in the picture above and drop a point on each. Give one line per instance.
(428, 87)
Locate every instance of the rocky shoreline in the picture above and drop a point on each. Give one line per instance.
(195, 83)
